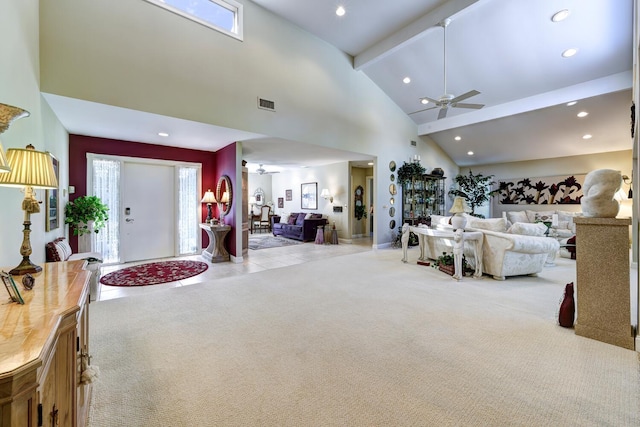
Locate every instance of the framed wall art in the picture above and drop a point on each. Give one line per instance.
(51, 197)
(280, 202)
(288, 194)
(309, 195)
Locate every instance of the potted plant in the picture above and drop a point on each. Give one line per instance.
(83, 210)
(360, 212)
(474, 189)
(409, 171)
(445, 263)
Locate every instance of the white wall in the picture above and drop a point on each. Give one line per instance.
(618, 160)
(135, 55)
(19, 86)
(256, 181)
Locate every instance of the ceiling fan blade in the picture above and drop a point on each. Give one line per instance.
(443, 113)
(463, 105)
(465, 96)
(424, 109)
(433, 101)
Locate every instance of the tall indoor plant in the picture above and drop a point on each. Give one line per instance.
(474, 189)
(84, 210)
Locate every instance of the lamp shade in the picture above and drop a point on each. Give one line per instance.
(209, 197)
(225, 197)
(325, 193)
(29, 168)
(252, 200)
(459, 206)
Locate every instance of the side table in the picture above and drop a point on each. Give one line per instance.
(216, 251)
(320, 235)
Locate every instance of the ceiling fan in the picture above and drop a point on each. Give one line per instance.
(448, 100)
(262, 170)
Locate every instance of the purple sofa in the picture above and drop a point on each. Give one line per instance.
(297, 226)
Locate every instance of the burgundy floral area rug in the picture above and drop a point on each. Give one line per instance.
(154, 273)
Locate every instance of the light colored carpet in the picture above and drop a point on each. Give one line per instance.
(359, 340)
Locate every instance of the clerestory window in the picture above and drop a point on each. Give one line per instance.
(224, 16)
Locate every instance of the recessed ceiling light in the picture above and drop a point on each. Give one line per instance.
(569, 52)
(425, 101)
(470, 153)
(560, 16)
(370, 163)
(583, 114)
(457, 138)
(406, 80)
(340, 11)
(572, 103)
(163, 134)
(587, 136)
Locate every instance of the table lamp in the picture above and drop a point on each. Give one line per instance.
(209, 198)
(458, 220)
(29, 169)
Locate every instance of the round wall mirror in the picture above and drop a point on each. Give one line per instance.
(224, 194)
(392, 166)
(392, 224)
(259, 195)
(392, 211)
(392, 200)
(392, 189)
(392, 177)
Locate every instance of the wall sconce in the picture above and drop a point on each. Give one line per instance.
(628, 181)
(209, 198)
(29, 169)
(326, 195)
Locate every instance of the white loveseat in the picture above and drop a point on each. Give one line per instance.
(520, 250)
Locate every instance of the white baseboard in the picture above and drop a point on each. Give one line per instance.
(236, 259)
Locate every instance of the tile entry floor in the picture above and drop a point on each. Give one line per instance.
(256, 261)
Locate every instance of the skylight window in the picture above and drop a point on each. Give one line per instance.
(224, 16)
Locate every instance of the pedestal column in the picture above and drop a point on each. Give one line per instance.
(603, 285)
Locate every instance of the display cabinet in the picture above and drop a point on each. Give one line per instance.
(423, 197)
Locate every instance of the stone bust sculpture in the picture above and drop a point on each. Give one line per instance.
(599, 189)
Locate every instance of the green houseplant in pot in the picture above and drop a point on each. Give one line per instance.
(82, 211)
(474, 189)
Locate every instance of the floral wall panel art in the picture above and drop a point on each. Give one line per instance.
(553, 190)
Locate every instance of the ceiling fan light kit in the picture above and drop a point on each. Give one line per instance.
(448, 100)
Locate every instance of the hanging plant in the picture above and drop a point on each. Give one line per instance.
(474, 189)
(409, 171)
(84, 209)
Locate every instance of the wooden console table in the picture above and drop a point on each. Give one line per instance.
(216, 251)
(42, 347)
(458, 237)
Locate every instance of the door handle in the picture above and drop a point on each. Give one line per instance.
(129, 219)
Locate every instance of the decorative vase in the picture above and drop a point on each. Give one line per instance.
(458, 221)
(437, 172)
(567, 310)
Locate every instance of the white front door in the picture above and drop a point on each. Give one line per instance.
(148, 212)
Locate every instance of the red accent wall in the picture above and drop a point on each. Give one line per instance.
(80, 145)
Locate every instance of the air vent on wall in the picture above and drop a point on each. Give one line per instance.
(265, 104)
(413, 143)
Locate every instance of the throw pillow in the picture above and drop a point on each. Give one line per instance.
(531, 215)
(308, 216)
(300, 220)
(517, 216)
(526, 229)
(63, 248)
(292, 219)
(316, 216)
(491, 224)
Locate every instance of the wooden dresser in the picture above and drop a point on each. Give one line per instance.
(42, 345)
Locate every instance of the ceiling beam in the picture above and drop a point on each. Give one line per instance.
(410, 33)
(609, 84)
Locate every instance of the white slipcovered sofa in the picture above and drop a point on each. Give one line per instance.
(522, 249)
(60, 250)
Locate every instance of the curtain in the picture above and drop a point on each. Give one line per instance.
(106, 185)
(187, 210)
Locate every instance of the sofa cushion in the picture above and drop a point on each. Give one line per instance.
(527, 229)
(517, 216)
(63, 248)
(316, 216)
(300, 219)
(439, 220)
(292, 219)
(491, 224)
